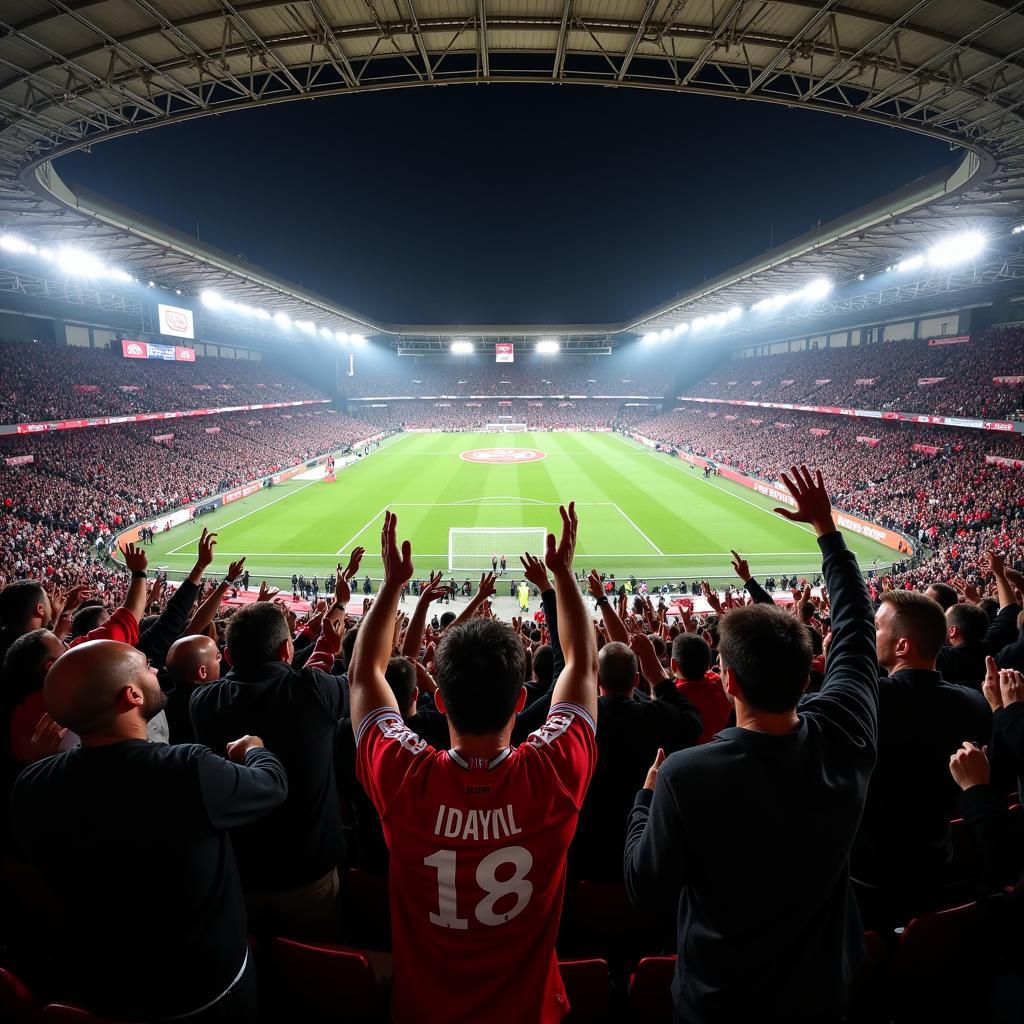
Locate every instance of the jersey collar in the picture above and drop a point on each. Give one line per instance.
(479, 762)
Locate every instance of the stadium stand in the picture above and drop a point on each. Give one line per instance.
(909, 376)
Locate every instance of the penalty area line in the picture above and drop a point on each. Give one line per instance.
(637, 528)
(344, 547)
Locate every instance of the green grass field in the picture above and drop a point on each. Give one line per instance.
(640, 512)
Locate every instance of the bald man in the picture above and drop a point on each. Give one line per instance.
(117, 821)
(191, 661)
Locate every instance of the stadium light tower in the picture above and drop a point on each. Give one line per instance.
(462, 348)
(548, 347)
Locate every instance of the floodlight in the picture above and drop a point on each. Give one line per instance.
(15, 243)
(957, 248)
(152, 284)
(548, 347)
(342, 337)
(734, 312)
(680, 329)
(177, 291)
(817, 289)
(306, 326)
(120, 275)
(1018, 229)
(357, 339)
(911, 263)
(261, 314)
(283, 320)
(326, 332)
(649, 338)
(860, 277)
(76, 263)
(462, 348)
(207, 297)
(665, 334)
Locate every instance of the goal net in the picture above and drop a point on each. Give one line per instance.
(506, 428)
(470, 549)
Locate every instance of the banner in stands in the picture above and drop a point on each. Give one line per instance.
(215, 430)
(145, 417)
(824, 380)
(786, 383)
(756, 382)
(1008, 380)
(999, 460)
(176, 321)
(84, 389)
(820, 431)
(956, 339)
(756, 423)
(504, 352)
(903, 417)
(19, 460)
(866, 380)
(926, 449)
(864, 439)
(927, 381)
(149, 350)
(160, 438)
(240, 492)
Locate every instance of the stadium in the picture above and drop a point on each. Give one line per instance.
(649, 655)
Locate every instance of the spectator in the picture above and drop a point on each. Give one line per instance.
(192, 662)
(288, 860)
(783, 791)
(117, 803)
(691, 667)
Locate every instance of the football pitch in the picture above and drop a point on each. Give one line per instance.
(640, 512)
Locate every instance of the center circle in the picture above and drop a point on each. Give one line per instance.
(499, 456)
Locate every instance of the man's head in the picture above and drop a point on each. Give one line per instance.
(447, 619)
(990, 606)
(401, 677)
(257, 635)
(691, 656)
(193, 661)
(27, 661)
(943, 593)
(967, 624)
(617, 669)
(544, 665)
(479, 672)
(103, 688)
(24, 606)
(910, 627)
(766, 657)
(88, 618)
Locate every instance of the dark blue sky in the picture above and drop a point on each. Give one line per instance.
(504, 203)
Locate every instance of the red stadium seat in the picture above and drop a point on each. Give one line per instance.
(326, 984)
(16, 1002)
(588, 986)
(650, 990)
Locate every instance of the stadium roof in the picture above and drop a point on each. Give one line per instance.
(76, 72)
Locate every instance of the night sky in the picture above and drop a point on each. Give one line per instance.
(507, 203)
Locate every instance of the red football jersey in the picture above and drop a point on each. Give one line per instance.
(477, 866)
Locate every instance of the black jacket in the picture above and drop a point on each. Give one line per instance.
(295, 712)
(752, 832)
(1012, 655)
(87, 816)
(966, 664)
(904, 838)
(629, 733)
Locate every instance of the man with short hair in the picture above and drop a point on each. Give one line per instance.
(478, 835)
(943, 593)
(691, 667)
(24, 606)
(903, 845)
(288, 860)
(1012, 655)
(96, 819)
(752, 833)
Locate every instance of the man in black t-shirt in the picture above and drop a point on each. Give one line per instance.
(132, 838)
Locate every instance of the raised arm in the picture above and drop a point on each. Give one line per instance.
(135, 600)
(207, 611)
(753, 588)
(534, 571)
(578, 682)
(614, 626)
(433, 591)
(849, 693)
(484, 591)
(368, 689)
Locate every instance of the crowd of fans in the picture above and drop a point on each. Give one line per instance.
(59, 512)
(42, 381)
(400, 377)
(958, 378)
(553, 414)
(749, 789)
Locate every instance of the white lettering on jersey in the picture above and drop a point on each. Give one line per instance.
(395, 729)
(554, 727)
(497, 823)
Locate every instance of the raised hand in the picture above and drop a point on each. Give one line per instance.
(1011, 686)
(398, 567)
(533, 570)
(969, 766)
(156, 592)
(740, 567)
(267, 593)
(237, 749)
(990, 686)
(558, 556)
(594, 585)
(331, 633)
(640, 644)
(434, 590)
(994, 563)
(134, 558)
(235, 569)
(75, 597)
(46, 739)
(486, 588)
(812, 501)
(711, 596)
(206, 545)
(354, 561)
(652, 772)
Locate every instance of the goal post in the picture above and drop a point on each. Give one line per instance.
(471, 548)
